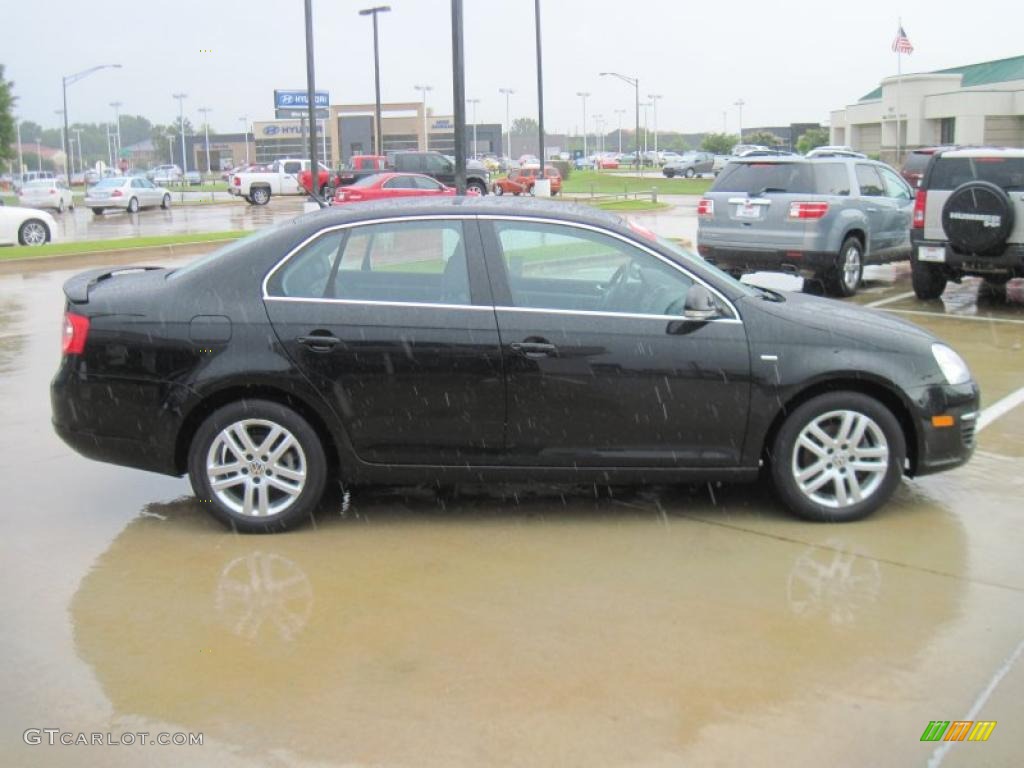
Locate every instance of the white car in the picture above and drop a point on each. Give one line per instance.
(47, 193)
(127, 192)
(26, 226)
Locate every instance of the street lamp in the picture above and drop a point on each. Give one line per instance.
(654, 100)
(599, 133)
(181, 129)
(425, 89)
(206, 128)
(68, 170)
(39, 153)
(507, 92)
(78, 141)
(645, 105)
(739, 103)
(584, 95)
(635, 82)
(245, 127)
(21, 157)
(620, 113)
(376, 72)
(474, 102)
(117, 121)
(67, 80)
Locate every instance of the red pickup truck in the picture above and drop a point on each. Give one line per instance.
(356, 168)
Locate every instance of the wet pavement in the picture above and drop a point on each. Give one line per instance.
(512, 626)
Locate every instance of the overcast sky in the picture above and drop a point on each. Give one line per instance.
(790, 62)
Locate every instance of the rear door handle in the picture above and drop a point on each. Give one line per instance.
(319, 343)
(535, 348)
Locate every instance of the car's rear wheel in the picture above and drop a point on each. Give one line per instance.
(669, 173)
(480, 188)
(98, 211)
(259, 195)
(690, 173)
(258, 465)
(838, 457)
(846, 276)
(133, 205)
(166, 202)
(33, 232)
(927, 280)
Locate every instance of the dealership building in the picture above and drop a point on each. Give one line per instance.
(979, 104)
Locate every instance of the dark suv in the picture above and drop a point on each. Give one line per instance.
(442, 168)
(969, 219)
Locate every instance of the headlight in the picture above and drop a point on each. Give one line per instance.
(951, 364)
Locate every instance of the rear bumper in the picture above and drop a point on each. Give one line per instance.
(743, 259)
(942, 448)
(1010, 261)
(110, 202)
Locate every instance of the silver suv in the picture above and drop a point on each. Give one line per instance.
(822, 218)
(969, 219)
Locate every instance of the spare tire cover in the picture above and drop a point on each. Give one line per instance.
(977, 218)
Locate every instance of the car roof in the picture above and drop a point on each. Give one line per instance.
(985, 152)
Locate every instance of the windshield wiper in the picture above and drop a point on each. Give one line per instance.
(766, 190)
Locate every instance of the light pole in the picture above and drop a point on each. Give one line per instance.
(314, 167)
(78, 140)
(739, 103)
(654, 100)
(205, 111)
(245, 127)
(67, 80)
(378, 134)
(620, 113)
(645, 105)
(67, 168)
(21, 158)
(39, 153)
(635, 82)
(584, 95)
(507, 92)
(474, 102)
(117, 121)
(424, 90)
(181, 129)
(540, 97)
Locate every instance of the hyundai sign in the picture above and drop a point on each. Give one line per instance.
(298, 99)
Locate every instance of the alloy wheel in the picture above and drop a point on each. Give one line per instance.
(33, 233)
(256, 468)
(840, 459)
(851, 267)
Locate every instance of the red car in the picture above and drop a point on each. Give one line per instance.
(521, 181)
(382, 186)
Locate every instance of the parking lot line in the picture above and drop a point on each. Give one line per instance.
(1000, 408)
(890, 299)
(976, 318)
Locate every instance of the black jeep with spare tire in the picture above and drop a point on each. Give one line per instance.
(969, 220)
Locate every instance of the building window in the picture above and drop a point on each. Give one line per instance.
(947, 130)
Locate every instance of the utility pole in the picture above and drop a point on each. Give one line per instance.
(205, 111)
(474, 102)
(620, 113)
(540, 93)
(645, 105)
(654, 100)
(117, 121)
(739, 103)
(459, 96)
(584, 95)
(64, 143)
(21, 158)
(314, 167)
(377, 132)
(424, 90)
(507, 92)
(181, 129)
(635, 82)
(78, 140)
(245, 126)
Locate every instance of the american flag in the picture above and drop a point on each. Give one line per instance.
(902, 43)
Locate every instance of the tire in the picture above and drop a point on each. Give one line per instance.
(499, 190)
(259, 195)
(258, 482)
(166, 202)
(845, 277)
(98, 211)
(481, 188)
(927, 280)
(133, 205)
(33, 232)
(978, 218)
(689, 173)
(669, 173)
(818, 483)
(60, 206)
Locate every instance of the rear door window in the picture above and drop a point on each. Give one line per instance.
(869, 181)
(951, 172)
(753, 178)
(831, 179)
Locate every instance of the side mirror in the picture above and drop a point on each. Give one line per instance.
(700, 304)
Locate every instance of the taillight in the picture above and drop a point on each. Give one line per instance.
(76, 330)
(117, 193)
(236, 181)
(53, 191)
(706, 207)
(799, 210)
(920, 201)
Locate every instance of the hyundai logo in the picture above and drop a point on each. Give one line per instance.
(271, 130)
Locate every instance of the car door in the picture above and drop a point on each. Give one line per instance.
(602, 369)
(705, 163)
(392, 322)
(399, 186)
(900, 212)
(440, 168)
(877, 208)
(290, 177)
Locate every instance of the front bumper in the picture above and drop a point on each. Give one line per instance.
(1011, 261)
(944, 447)
(745, 259)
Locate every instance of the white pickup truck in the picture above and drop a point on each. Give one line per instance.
(281, 178)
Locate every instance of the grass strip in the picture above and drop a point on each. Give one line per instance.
(96, 246)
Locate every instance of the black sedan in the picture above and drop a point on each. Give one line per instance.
(477, 340)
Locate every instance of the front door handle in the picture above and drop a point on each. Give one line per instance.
(319, 342)
(535, 348)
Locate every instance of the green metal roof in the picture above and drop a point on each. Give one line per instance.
(998, 71)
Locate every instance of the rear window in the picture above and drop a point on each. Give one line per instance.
(366, 181)
(771, 177)
(111, 182)
(951, 172)
(916, 162)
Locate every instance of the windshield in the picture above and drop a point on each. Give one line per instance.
(697, 263)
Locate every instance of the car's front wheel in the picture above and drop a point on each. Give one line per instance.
(499, 190)
(259, 195)
(838, 457)
(690, 173)
(258, 465)
(848, 270)
(166, 202)
(133, 205)
(928, 280)
(33, 232)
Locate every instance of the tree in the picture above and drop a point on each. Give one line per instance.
(524, 126)
(7, 129)
(764, 138)
(814, 137)
(719, 143)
